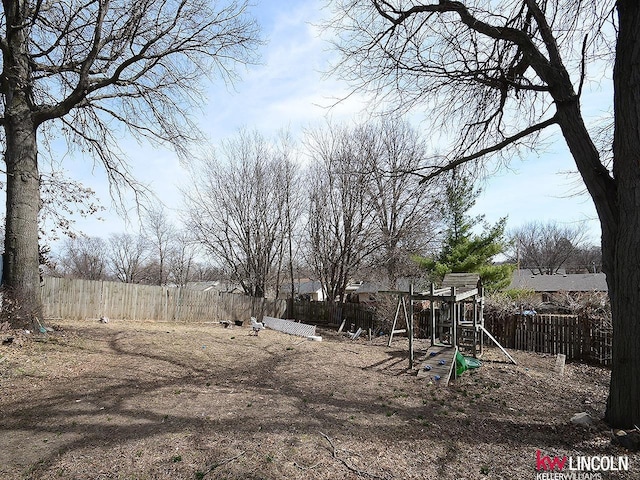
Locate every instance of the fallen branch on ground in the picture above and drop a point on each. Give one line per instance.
(302, 467)
(219, 464)
(346, 464)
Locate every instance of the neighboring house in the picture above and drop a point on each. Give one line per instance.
(356, 292)
(310, 290)
(367, 292)
(215, 286)
(546, 285)
(362, 292)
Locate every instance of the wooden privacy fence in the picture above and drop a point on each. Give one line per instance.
(576, 337)
(331, 315)
(78, 299)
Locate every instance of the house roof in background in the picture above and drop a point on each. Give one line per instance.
(215, 285)
(305, 288)
(571, 282)
(363, 287)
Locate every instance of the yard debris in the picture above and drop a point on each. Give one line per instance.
(302, 467)
(629, 440)
(560, 362)
(346, 464)
(357, 334)
(219, 464)
(256, 326)
(16, 338)
(582, 418)
(291, 327)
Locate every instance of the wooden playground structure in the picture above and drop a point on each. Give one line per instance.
(456, 324)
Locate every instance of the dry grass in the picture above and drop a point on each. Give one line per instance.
(168, 401)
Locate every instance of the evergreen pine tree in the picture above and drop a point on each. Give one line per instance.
(463, 251)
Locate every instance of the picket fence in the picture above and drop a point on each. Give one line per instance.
(90, 299)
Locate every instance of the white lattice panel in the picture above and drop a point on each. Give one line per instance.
(289, 326)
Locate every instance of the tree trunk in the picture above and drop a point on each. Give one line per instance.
(617, 201)
(21, 277)
(623, 249)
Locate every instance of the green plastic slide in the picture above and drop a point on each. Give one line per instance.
(465, 363)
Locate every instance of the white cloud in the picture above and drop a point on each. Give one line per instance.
(288, 90)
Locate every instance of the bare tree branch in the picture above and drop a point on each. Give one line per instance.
(486, 151)
(349, 467)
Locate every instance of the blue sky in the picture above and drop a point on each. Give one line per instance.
(288, 90)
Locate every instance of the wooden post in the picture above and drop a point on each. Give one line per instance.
(498, 344)
(395, 319)
(454, 318)
(433, 317)
(560, 362)
(410, 325)
(482, 318)
(475, 326)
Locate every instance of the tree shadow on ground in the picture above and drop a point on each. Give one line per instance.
(274, 398)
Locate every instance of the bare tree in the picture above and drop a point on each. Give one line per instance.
(493, 76)
(340, 227)
(405, 213)
(128, 256)
(84, 257)
(546, 247)
(62, 201)
(294, 199)
(160, 233)
(237, 206)
(204, 272)
(78, 69)
(586, 259)
(181, 256)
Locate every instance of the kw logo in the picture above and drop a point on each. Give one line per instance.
(548, 463)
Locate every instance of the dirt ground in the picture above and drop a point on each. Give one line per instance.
(127, 400)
